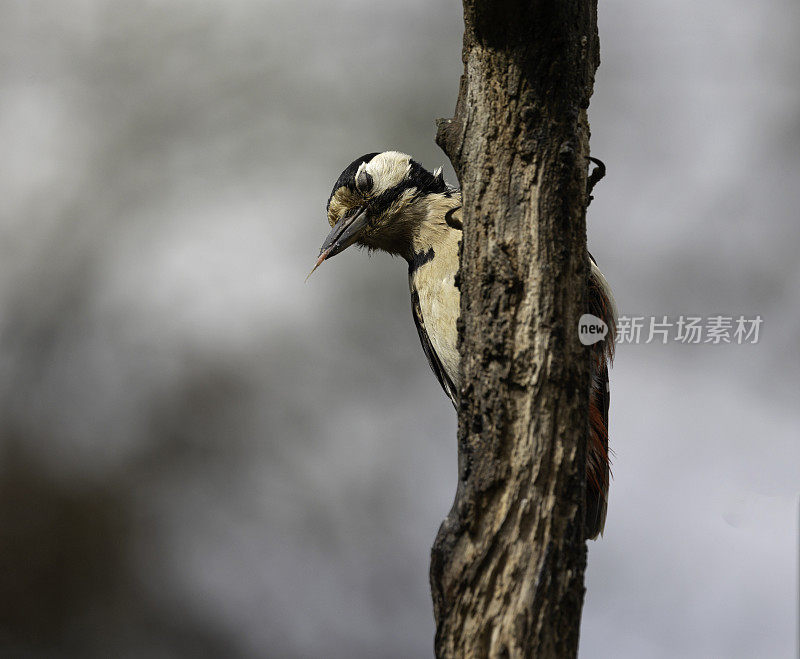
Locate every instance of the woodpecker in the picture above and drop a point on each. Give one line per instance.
(388, 201)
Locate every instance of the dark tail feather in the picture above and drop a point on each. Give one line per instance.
(597, 462)
(596, 506)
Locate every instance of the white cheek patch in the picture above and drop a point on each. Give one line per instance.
(388, 169)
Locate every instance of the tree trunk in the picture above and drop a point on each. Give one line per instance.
(508, 562)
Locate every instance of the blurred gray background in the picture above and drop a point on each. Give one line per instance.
(202, 456)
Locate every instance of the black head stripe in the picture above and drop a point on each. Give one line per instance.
(380, 204)
(419, 179)
(423, 180)
(348, 176)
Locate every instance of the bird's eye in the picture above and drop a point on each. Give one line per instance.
(363, 181)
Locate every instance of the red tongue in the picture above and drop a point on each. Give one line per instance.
(321, 258)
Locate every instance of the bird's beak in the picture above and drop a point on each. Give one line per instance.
(344, 233)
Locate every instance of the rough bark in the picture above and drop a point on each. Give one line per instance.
(508, 562)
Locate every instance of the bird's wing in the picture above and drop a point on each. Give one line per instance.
(430, 351)
(601, 304)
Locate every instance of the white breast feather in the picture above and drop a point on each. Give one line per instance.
(439, 302)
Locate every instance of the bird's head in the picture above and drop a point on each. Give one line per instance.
(379, 202)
